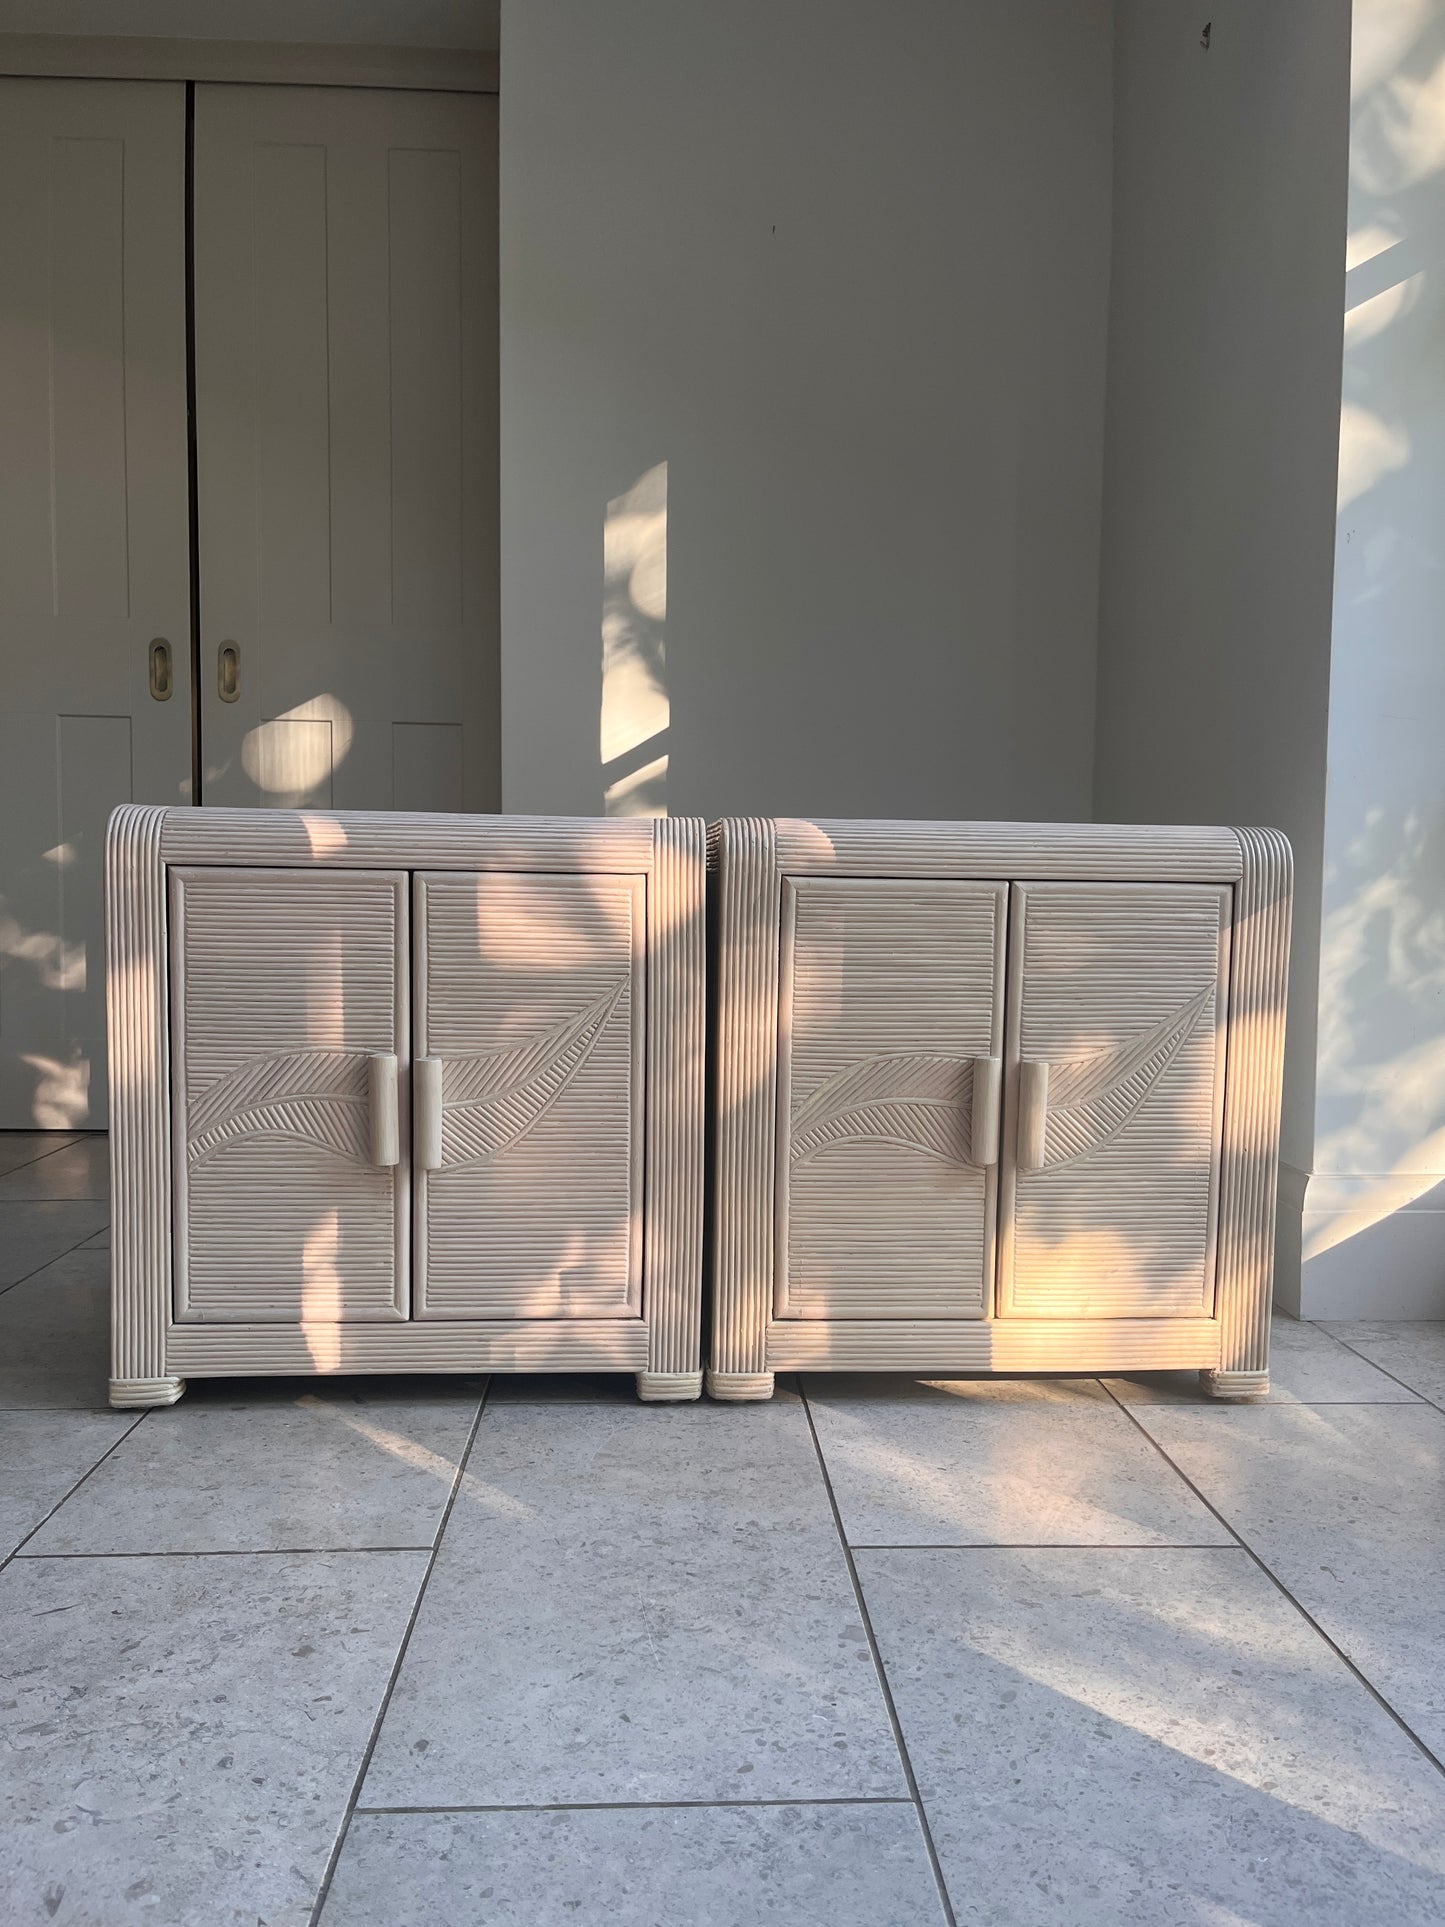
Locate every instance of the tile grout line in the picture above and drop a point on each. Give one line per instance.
(1056, 1545)
(650, 1806)
(55, 1257)
(369, 1749)
(1283, 1589)
(1186, 1404)
(1422, 1397)
(40, 1524)
(40, 1156)
(911, 1779)
(208, 1552)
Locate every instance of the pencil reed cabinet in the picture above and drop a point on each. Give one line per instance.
(995, 1097)
(402, 1093)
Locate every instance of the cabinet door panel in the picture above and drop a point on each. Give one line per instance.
(285, 985)
(890, 992)
(1111, 1167)
(530, 992)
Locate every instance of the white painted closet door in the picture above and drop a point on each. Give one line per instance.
(346, 315)
(94, 549)
(1115, 1089)
(891, 1013)
(285, 986)
(529, 990)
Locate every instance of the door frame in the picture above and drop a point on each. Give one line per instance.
(264, 63)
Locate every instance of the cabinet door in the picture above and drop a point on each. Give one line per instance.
(530, 1132)
(289, 1018)
(1115, 1088)
(891, 1031)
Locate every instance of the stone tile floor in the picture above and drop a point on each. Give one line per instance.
(382, 1652)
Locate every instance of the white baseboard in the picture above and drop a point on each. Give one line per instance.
(1361, 1245)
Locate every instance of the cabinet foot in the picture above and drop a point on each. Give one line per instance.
(1235, 1384)
(737, 1386)
(126, 1393)
(668, 1388)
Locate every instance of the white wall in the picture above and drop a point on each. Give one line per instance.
(1224, 356)
(843, 270)
(1374, 1219)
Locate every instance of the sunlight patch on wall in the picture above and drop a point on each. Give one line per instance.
(62, 1092)
(1381, 1092)
(1382, 35)
(1370, 449)
(635, 707)
(1398, 137)
(1373, 316)
(291, 757)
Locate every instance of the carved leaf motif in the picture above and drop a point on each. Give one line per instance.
(921, 1103)
(1092, 1098)
(492, 1100)
(313, 1097)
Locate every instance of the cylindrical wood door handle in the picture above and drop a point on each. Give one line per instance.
(987, 1109)
(382, 1105)
(1033, 1115)
(426, 1087)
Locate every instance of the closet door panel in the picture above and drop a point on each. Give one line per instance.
(530, 998)
(286, 986)
(1115, 1088)
(891, 1007)
(94, 549)
(346, 302)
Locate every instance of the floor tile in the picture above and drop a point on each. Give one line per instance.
(42, 1455)
(77, 1170)
(1001, 1462)
(1150, 1738)
(250, 1474)
(1413, 1353)
(824, 1866)
(1306, 1367)
(34, 1231)
(55, 1335)
(100, 1242)
(1346, 1506)
(637, 1603)
(184, 1733)
(23, 1147)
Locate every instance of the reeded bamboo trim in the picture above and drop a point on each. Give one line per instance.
(140, 1120)
(668, 1388)
(127, 1394)
(1254, 1081)
(408, 840)
(676, 1053)
(739, 1388)
(745, 1001)
(1014, 852)
(428, 1345)
(994, 1345)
